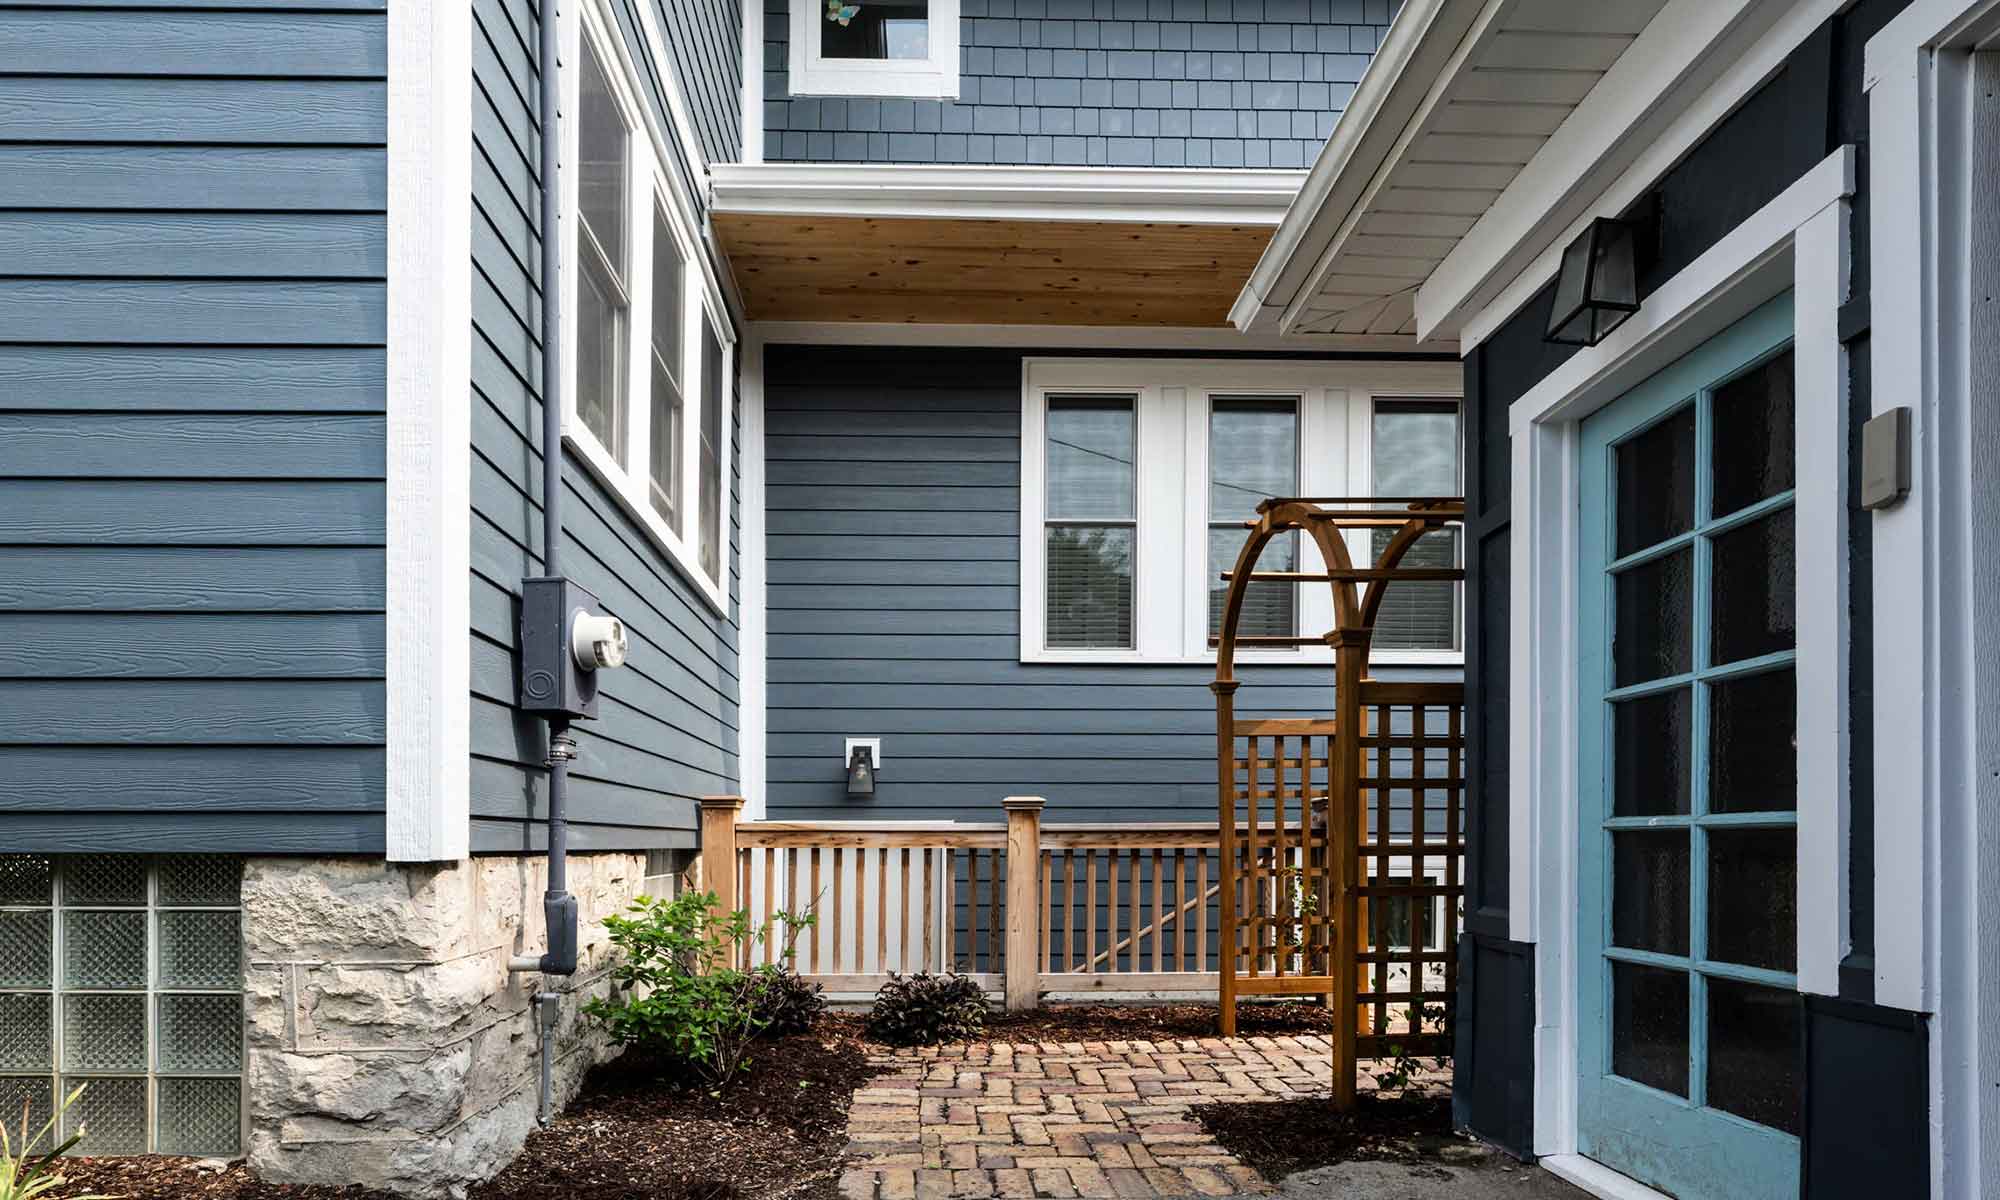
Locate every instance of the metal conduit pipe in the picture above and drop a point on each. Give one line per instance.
(558, 906)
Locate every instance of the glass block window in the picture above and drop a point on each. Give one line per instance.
(123, 975)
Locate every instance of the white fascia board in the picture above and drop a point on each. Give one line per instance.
(1006, 193)
(1687, 70)
(1399, 76)
(427, 702)
(1087, 337)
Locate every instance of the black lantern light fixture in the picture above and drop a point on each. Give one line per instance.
(1597, 288)
(861, 772)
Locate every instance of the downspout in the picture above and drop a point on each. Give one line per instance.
(558, 906)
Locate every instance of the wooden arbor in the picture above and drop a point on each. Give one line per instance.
(1295, 798)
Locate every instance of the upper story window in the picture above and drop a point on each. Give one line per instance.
(874, 48)
(652, 344)
(1137, 477)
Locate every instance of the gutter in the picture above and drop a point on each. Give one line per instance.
(1391, 91)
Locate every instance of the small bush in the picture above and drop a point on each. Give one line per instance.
(683, 999)
(926, 1009)
(788, 1004)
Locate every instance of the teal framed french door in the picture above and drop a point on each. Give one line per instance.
(1688, 1010)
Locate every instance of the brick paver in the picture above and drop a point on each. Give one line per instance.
(1068, 1119)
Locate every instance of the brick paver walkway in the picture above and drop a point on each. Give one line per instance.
(1066, 1119)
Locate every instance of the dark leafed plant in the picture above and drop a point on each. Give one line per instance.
(926, 1009)
(682, 997)
(788, 1004)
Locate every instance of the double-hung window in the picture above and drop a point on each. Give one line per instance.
(874, 48)
(650, 374)
(1140, 477)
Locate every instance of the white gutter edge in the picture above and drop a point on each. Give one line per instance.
(1161, 194)
(1302, 236)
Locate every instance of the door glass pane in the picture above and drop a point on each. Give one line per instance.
(1655, 618)
(1753, 1053)
(1753, 763)
(1656, 483)
(1090, 586)
(1649, 888)
(1649, 1026)
(1754, 610)
(1651, 737)
(1090, 456)
(1753, 897)
(1753, 436)
(875, 29)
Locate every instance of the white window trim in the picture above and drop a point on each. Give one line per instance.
(811, 74)
(1170, 557)
(652, 182)
(1750, 265)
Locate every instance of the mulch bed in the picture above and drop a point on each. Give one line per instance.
(1154, 1022)
(779, 1132)
(1284, 1136)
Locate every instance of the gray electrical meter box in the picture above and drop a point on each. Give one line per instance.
(552, 681)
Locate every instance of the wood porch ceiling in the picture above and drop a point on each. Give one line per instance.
(964, 271)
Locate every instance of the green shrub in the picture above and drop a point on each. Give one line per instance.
(25, 1173)
(683, 998)
(788, 1004)
(926, 1009)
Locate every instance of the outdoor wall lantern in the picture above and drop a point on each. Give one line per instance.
(1597, 287)
(860, 772)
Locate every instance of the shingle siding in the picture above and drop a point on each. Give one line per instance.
(1213, 83)
(192, 389)
(667, 731)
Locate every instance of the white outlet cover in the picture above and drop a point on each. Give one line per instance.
(847, 750)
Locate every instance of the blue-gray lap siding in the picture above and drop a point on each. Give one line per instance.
(892, 531)
(667, 731)
(191, 428)
(1122, 83)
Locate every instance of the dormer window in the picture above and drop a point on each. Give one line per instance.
(874, 48)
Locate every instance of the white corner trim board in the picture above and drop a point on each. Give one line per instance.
(1194, 195)
(753, 650)
(427, 702)
(1797, 242)
(1614, 147)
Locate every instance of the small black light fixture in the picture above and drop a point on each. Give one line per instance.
(1598, 286)
(861, 772)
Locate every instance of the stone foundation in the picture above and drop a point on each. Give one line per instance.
(388, 1044)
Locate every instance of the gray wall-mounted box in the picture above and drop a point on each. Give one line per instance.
(552, 682)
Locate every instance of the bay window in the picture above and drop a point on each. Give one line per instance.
(651, 369)
(1138, 478)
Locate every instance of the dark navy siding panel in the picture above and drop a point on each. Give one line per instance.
(894, 612)
(705, 38)
(667, 729)
(192, 384)
(1123, 83)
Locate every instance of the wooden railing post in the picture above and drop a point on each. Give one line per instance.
(1344, 828)
(718, 851)
(1024, 901)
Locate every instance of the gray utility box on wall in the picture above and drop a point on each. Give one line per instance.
(552, 681)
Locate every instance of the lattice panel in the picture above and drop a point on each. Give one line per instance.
(202, 880)
(104, 949)
(1412, 860)
(27, 1040)
(200, 1117)
(104, 1033)
(112, 1115)
(201, 950)
(24, 879)
(1283, 874)
(104, 879)
(25, 947)
(201, 1033)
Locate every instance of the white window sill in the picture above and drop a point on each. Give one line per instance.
(918, 81)
(684, 557)
(1305, 657)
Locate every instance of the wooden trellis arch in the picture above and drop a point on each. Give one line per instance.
(1303, 801)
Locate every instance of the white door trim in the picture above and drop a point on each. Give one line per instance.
(1750, 265)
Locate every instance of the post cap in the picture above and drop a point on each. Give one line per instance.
(733, 803)
(1022, 803)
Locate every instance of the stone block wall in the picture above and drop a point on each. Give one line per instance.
(388, 1044)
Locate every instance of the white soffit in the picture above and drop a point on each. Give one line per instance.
(1007, 193)
(1460, 98)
